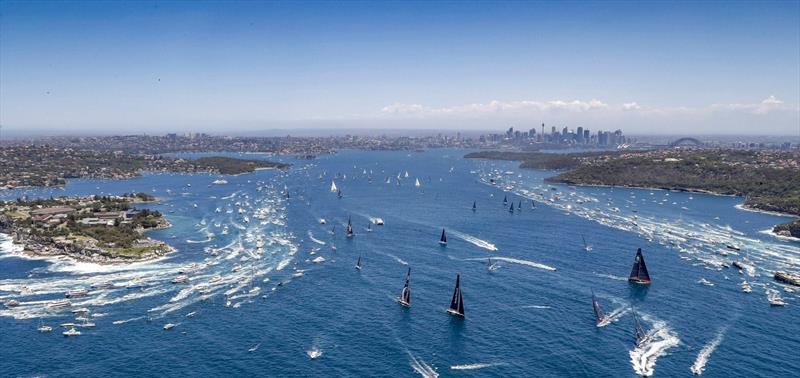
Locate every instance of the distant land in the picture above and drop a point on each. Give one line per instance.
(23, 166)
(768, 179)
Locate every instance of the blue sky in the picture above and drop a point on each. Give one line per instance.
(649, 67)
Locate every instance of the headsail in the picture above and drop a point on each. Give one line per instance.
(639, 270)
(457, 303)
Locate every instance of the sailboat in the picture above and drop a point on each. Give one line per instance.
(474, 205)
(405, 294)
(505, 200)
(358, 263)
(511, 209)
(491, 266)
(349, 229)
(457, 303)
(369, 227)
(339, 193)
(443, 239)
(417, 184)
(586, 247)
(519, 207)
(334, 189)
(598, 312)
(533, 204)
(641, 335)
(639, 273)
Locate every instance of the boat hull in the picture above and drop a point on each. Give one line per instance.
(638, 281)
(455, 313)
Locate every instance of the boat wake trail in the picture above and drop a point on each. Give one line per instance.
(541, 307)
(421, 367)
(315, 240)
(611, 276)
(614, 316)
(702, 358)
(473, 240)
(521, 262)
(658, 340)
(473, 366)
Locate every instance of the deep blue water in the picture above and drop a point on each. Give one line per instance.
(523, 319)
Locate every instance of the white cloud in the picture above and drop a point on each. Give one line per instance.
(594, 107)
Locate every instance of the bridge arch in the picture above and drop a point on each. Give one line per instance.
(686, 142)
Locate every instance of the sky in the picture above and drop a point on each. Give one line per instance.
(661, 67)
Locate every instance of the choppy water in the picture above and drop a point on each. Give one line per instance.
(268, 294)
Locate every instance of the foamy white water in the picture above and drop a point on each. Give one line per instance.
(702, 358)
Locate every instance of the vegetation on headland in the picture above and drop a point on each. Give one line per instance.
(770, 180)
(539, 160)
(93, 228)
(788, 229)
(23, 166)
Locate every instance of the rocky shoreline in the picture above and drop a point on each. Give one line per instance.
(38, 247)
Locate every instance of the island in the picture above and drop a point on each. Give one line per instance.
(768, 179)
(100, 229)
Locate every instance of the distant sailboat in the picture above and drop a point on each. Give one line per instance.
(417, 184)
(369, 227)
(505, 200)
(334, 189)
(457, 303)
(339, 193)
(641, 335)
(639, 273)
(405, 294)
(511, 209)
(443, 239)
(474, 205)
(598, 312)
(519, 207)
(533, 204)
(349, 229)
(586, 246)
(358, 263)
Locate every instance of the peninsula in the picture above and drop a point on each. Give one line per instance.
(101, 229)
(23, 166)
(768, 179)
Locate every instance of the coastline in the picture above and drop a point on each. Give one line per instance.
(40, 250)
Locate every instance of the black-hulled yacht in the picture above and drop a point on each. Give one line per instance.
(639, 273)
(443, 238)
(405, 294)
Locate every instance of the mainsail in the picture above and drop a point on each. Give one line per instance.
(638, 330)
(457, 303)
(349, 228)
(598, 312)
(405, 294)
(639, 270)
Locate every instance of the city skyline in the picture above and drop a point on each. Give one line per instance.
(665, 68)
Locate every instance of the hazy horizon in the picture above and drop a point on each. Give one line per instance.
(667, 68)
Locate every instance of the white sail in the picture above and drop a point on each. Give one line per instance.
(417, 184)
(333, 186)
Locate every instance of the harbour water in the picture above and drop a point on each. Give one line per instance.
(267, 292)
